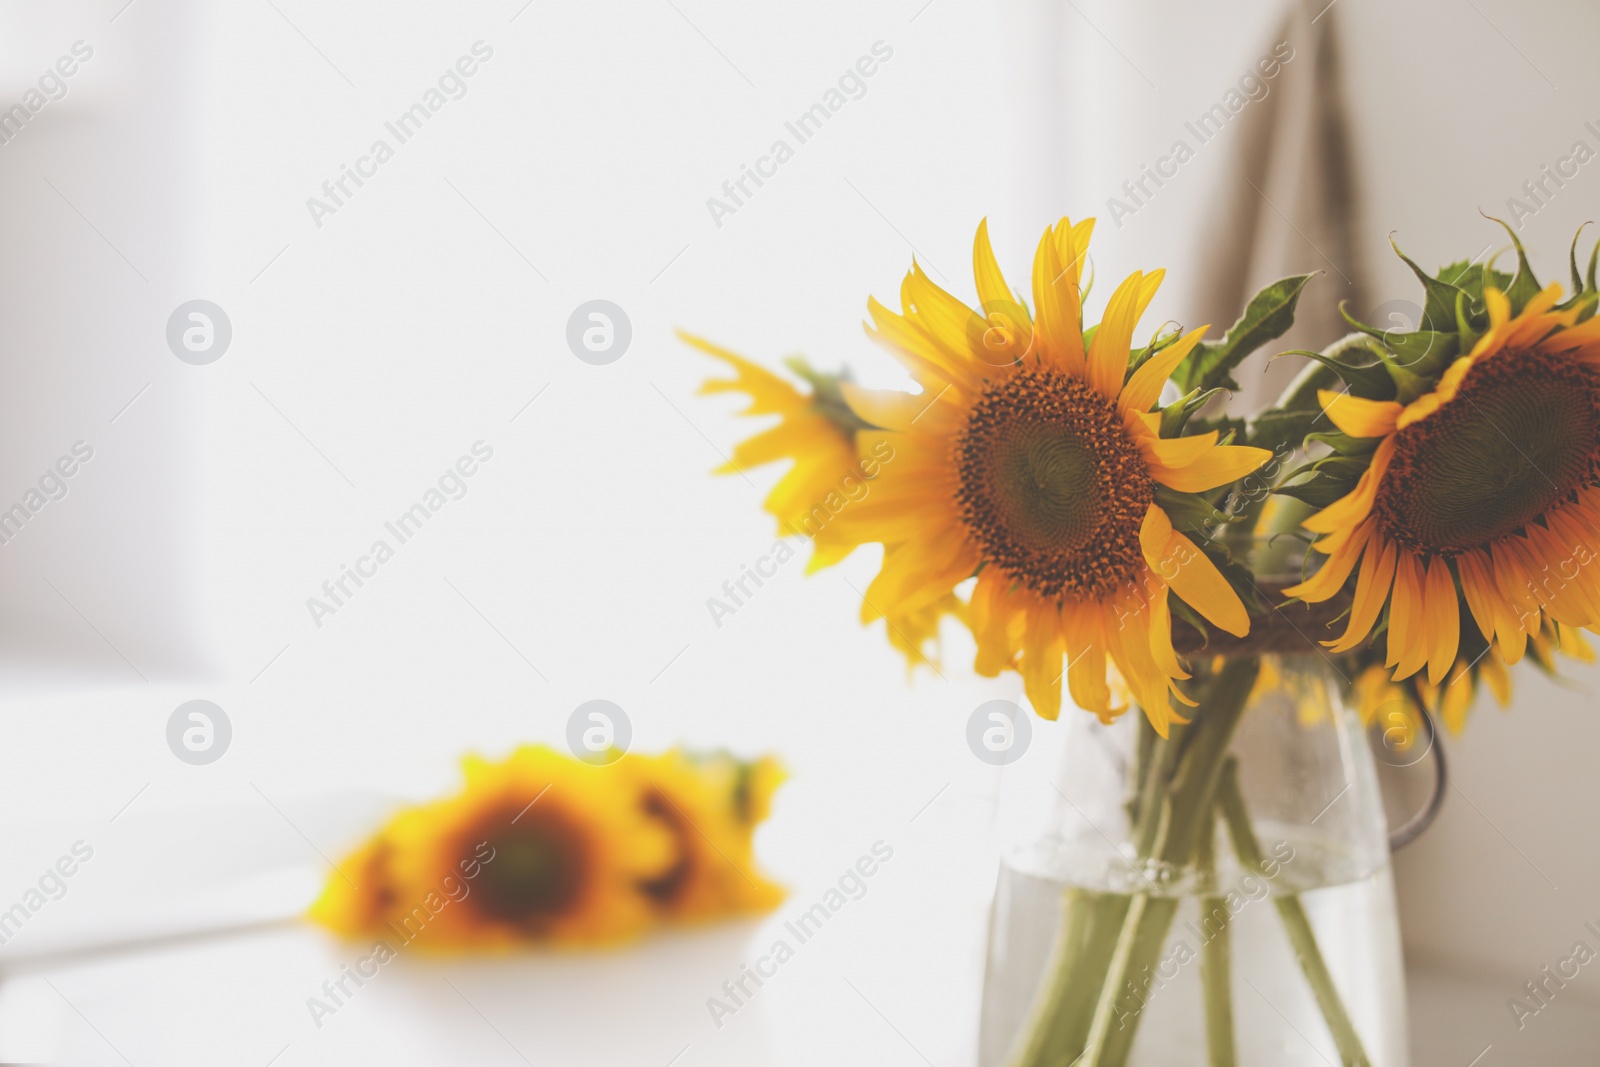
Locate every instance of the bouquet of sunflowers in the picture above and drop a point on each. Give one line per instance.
(545, 848)
(1075, 496)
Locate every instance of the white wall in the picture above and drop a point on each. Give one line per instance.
(98, 201)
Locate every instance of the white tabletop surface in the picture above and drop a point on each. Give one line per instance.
(893, 978)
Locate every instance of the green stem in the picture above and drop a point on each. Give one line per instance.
(1122, 999)
(1148, 827)
(1216, 973)
(1086, 938)
(1295, 923)
(1144, 754)
(1184, 809)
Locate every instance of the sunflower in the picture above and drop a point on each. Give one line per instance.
(536, 847)
(361, 896)
(818, 434)
(710, 806)
(1477, 442)
(816, 431)
(1033, 461)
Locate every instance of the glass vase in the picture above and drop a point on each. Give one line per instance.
(1221, 896)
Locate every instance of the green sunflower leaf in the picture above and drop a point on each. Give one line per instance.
(1460, 274)
(1228, 428)
(1467, 332)
(1277, 430)
(1191, 513)
(1417, 360)
(1524, 287)
(1439, 305)
(1408, 358)
(1343, 444)
(1577, 279)
(1268, 316)
(1368, 381)
(1586, 303)
(1497, 278)
(1318, 492)
(827, 396)
(1183, 611)
(1175, 416)
(1325, 480)
(1164, 338)
(1470, 277)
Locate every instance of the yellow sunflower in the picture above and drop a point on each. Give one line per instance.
(1032, 459)
(819, 435)
(815, 431)
(1484, 482)
(710, 806)
(361, 896)
(538, 847)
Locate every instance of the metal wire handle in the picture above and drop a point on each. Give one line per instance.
(1412, 828)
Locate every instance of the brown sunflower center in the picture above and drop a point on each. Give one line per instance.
(538, 868)
(665, 887)
(1521, 435)
(1051, 486)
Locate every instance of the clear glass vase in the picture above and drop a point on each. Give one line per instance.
(1221, 897)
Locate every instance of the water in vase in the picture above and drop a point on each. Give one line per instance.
(1276, 1019)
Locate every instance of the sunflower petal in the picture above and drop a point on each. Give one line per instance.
(1166, 656)
(1332, 575)
(1456, 699)
(1407, 623)
(1041, 660)
(992, 289)
(1580, 338)
(1086, 659)
(990, 614)
(1144, 388)
(1372, 589)
(1499, 306)
(1511, 612)
(1130, 648)
(1574, 644)
(1478, 587)
(1444, 619)
(1354, 507)
(943, 317)
(890, 409)
(1196, 579)
(930, 364)
(1058, 306)
(1217, 466)
(769, 394)
(1172, 453)
(1493, 670)
(1108, 353)
(1359, 417)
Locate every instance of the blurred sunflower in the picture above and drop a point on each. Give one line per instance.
(819, 435)
(1032, 460)
(361, 896)
(536, 847)
(1474, 447)
(710, 806)
(816, 431)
